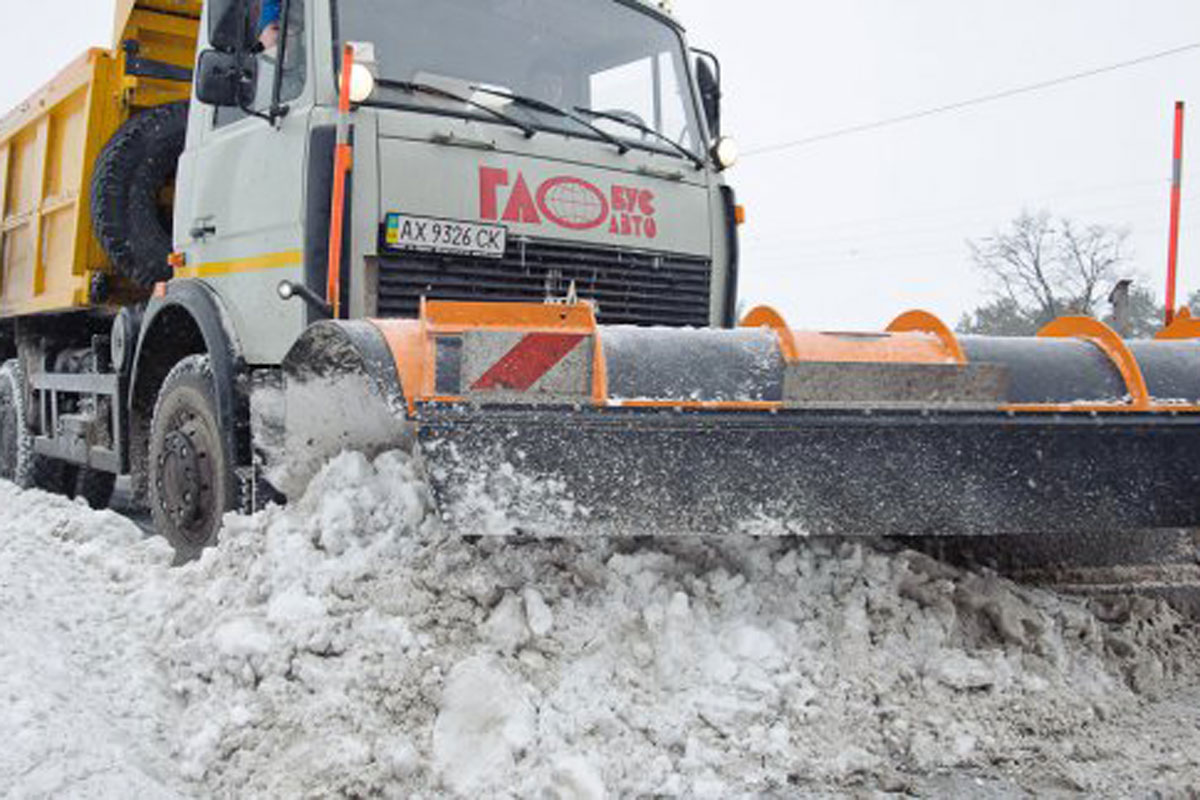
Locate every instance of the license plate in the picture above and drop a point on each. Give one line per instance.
(406, 232)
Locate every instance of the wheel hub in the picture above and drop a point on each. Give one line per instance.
(182, 478)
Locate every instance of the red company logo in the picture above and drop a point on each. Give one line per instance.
(567, 202)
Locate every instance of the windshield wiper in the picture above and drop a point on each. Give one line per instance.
(637, 126)
(548, 108)
(413, 87)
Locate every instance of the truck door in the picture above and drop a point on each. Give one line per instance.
(241, 227)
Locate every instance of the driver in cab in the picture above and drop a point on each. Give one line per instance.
(268, 24)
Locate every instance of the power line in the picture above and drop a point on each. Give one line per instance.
(801, 241)
(974, 101)
(799, 255)
(850, 230)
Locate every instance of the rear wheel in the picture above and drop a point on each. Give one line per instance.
(12, 442)
(192, 481)
(18, 463)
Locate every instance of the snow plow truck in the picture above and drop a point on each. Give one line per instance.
(498, 233)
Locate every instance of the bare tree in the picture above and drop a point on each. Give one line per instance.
(1020, 264)
(1042, 268)
(1090, 261)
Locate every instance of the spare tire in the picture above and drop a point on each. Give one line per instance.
(131, 188)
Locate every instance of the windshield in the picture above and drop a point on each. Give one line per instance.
(589, 54)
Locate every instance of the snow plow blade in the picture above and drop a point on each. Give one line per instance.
(534, 419)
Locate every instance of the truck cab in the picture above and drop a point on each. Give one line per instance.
(511, 150)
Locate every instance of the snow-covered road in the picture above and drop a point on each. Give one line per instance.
(346, 646)
(85, 708)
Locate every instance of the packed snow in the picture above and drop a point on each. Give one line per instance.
(350, 645)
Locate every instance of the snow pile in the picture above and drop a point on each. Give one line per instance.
(278, 650)
(83, 707)
(346, 646)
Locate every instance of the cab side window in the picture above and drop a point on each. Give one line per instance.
(270, 41)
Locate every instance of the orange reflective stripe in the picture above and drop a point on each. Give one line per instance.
(452, 317)
(1077, 409)
(341, 168)
(599, 372)
(702, 405)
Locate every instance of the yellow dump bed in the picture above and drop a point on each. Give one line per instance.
(48, 144)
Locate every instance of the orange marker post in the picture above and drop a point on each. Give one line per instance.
(343, 159)
(1176, 202)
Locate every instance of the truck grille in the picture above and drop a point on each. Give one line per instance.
(629, 287)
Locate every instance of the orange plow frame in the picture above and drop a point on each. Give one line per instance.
(914, 338)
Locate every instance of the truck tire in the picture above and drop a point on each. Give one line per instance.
(192, 479)
(18, 463)
(134, 176)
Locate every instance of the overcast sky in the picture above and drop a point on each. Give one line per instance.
(847, 233)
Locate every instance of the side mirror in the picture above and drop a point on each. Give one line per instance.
(228, 23)
(708, 77)
(225, 80)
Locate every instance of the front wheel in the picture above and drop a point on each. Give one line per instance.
(192, 481)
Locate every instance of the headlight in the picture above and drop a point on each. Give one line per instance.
(362, 83)
(725, 152)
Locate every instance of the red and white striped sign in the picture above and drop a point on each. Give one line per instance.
(541, 363)
(527, 363)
